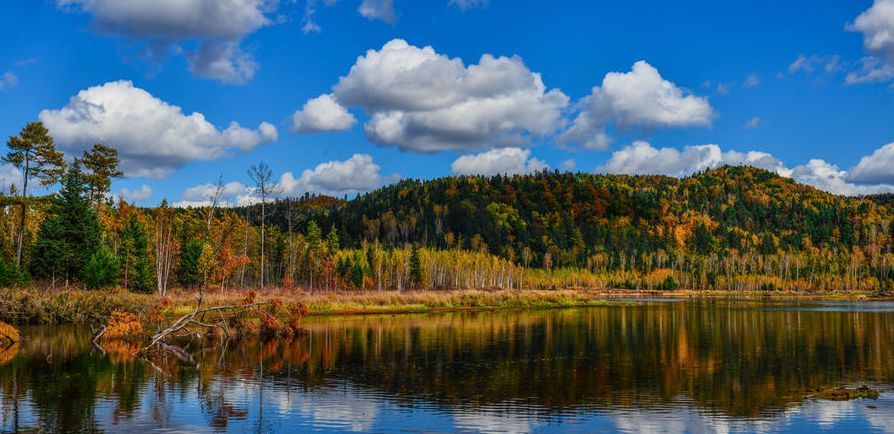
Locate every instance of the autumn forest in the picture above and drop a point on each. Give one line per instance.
(731, 228)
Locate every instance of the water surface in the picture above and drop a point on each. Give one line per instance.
(647, 365)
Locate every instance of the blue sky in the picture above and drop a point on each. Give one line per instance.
(713, 73)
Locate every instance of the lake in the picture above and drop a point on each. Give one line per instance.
(637, 365)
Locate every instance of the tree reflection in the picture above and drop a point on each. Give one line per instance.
(735, 360)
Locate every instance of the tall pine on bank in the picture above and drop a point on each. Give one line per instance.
(70, 235)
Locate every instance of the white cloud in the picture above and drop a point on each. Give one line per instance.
(143, 193)
(639, 98)
(640, 158)
(875, 168)
(872, 70)
(8, 80)
(877, 26)
(9, 176)
(809, 64)
(829, 177)
(468, 4)
(224, 61)
(378, 10)
(216, 26)
(752, 123)
(509, 161)
(568, 165)
(320, 114)
(423, 101)
(152, 136)
(358, 174)
(232, 193)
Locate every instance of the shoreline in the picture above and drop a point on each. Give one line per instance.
(63, 306)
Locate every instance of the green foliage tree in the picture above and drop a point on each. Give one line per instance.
(101, 165)
(102, 270)
(70, 235)
(415, 267)
(189, 270)
(135, 252)
(332, 240)
(34, 153)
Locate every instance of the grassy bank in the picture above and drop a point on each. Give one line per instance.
(35, 306)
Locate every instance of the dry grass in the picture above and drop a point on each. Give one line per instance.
(31, 306)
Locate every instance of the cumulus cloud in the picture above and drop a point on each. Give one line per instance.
(357, 174)
(875, 168)
(152, 137)
(508, 161)
(568, 165)
(232, 193)
(641, 158)
(216, 27)
(828, 177)
(877, 26)
(8, 80)
(639, 98)
(752, 123)
(142, 193)
(423, 101)
(378, 10)
(322, 113)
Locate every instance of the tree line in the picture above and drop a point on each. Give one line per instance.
(736, 228)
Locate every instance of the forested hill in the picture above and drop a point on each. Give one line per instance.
(558, 219)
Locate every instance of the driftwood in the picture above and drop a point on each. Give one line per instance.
(196, 317)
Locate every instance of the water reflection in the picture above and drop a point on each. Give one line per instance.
(701, 366)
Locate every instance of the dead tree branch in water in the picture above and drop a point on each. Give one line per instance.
(189, 319)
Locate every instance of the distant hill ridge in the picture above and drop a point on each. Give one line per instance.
(554, 219)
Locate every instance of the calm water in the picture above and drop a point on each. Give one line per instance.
(684, 366)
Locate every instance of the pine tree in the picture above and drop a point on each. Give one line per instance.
(34, 153)
(102, 270)
(135, 251)
(70, 236)
(332, 240)
(101, 164)
(189, 273)
(415, 267)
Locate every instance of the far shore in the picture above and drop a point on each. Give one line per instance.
(62, 306)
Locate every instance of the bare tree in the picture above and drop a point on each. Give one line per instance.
(164, 246)
(262, 177)
(213, 198)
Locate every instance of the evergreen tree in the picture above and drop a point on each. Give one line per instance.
(135, 251)
(101, 164)
(415, 267)
(332, 240)
(70, 235)
(102, 270)
(34, 153)
(189, 272)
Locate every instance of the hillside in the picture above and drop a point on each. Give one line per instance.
(574, 216)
